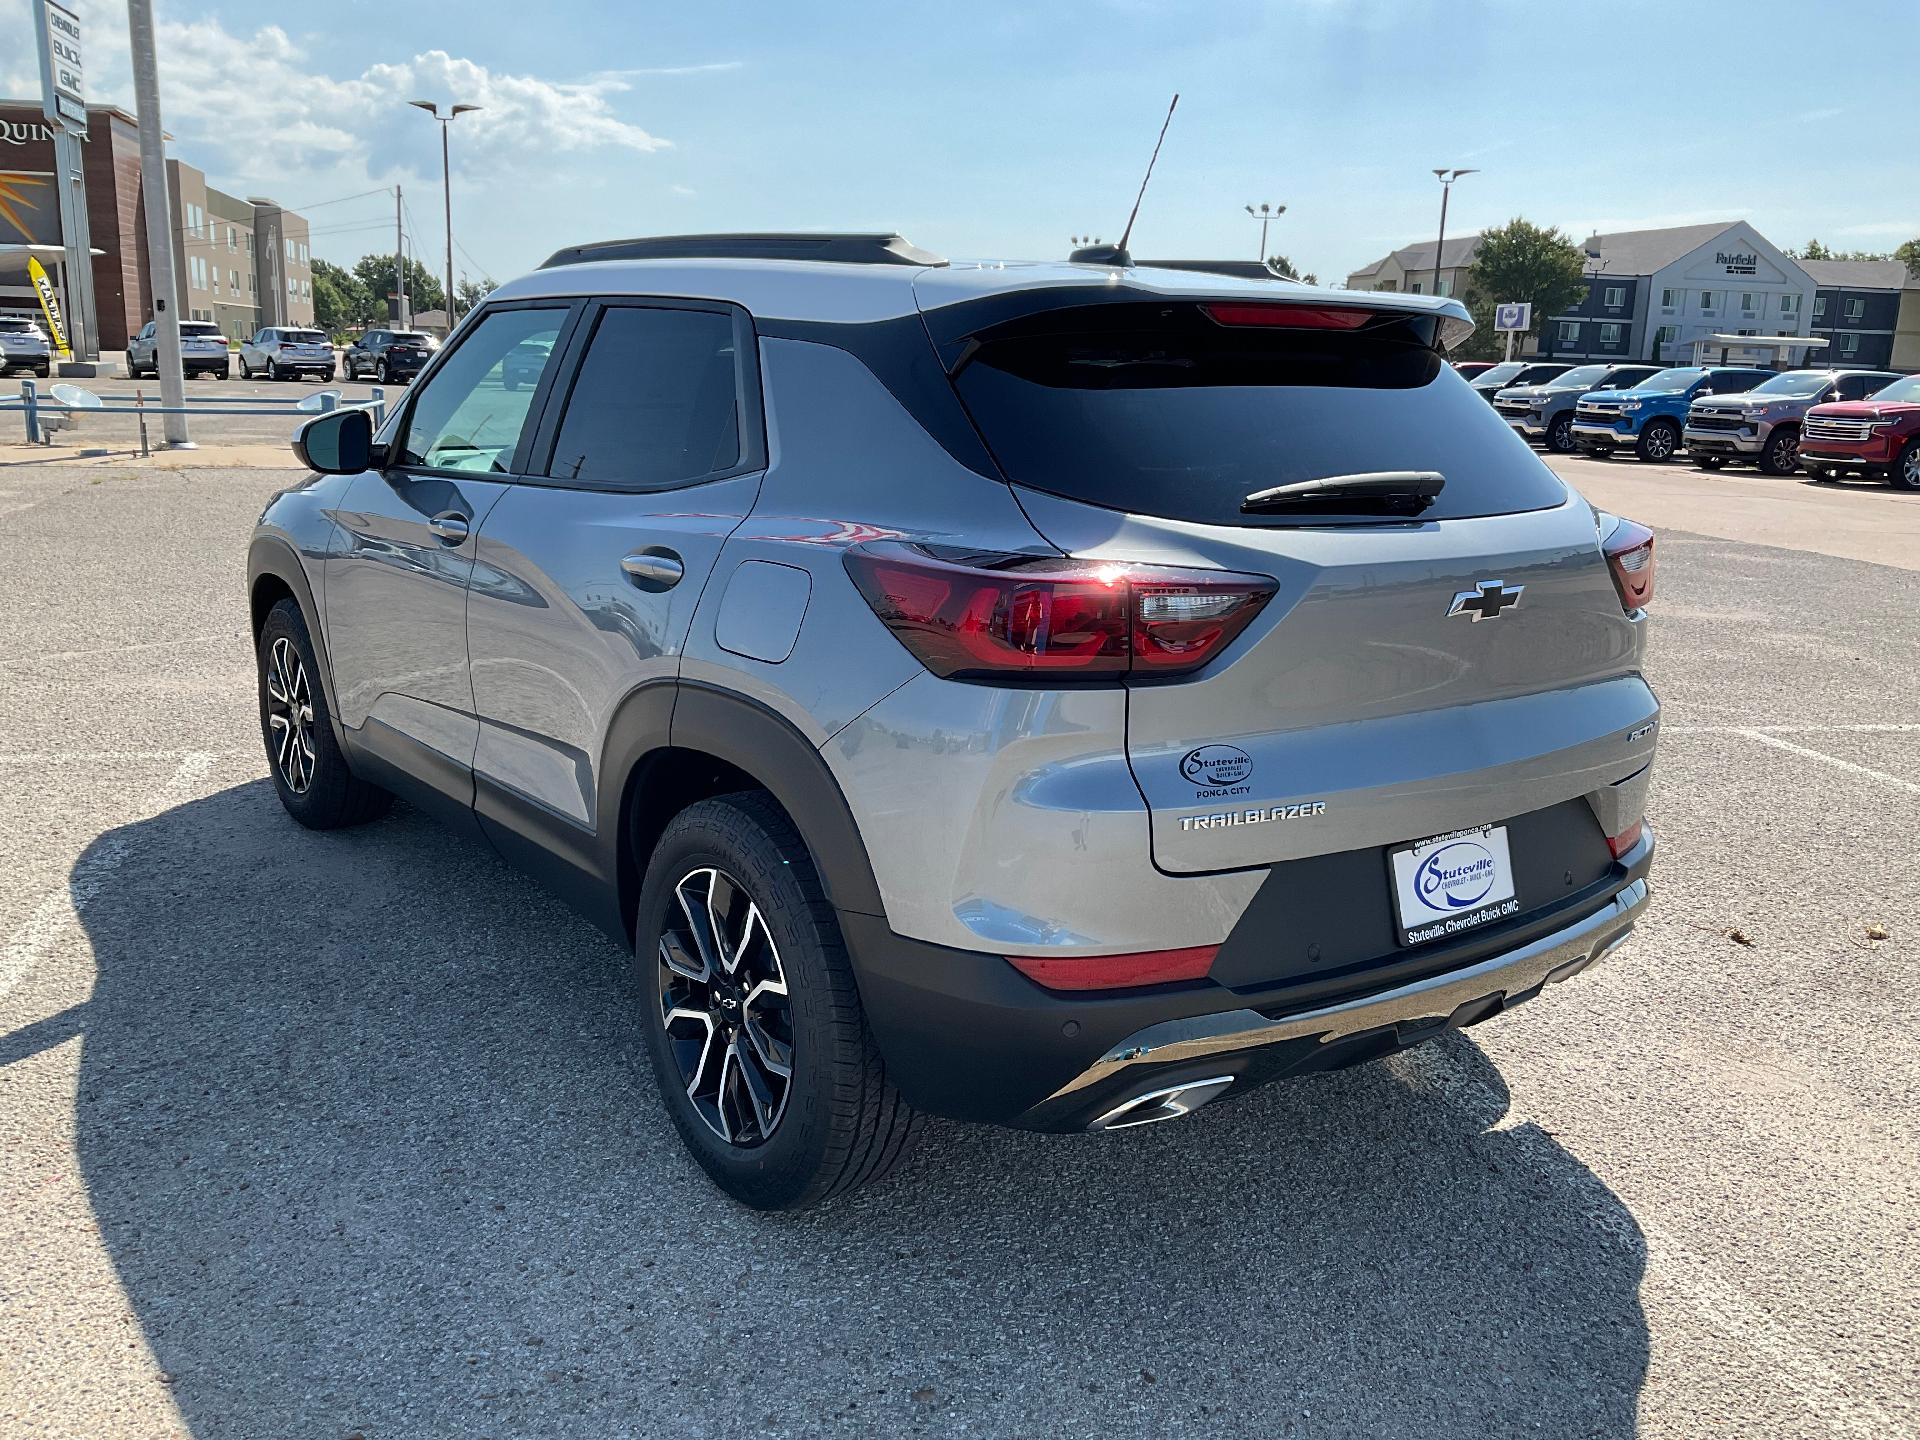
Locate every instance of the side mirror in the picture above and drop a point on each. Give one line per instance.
(338, 443)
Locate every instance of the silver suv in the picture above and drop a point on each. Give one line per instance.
(203, 351)
(23, 346)
(281, 352)
(1059, 695)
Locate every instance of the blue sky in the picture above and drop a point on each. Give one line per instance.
(1002, 129)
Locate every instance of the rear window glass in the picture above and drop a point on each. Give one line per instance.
(16, 327)
(1159, 410)
(199, 327)
(303, 337)
(407, 337)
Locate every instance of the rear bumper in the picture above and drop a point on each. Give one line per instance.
(205, 364)
(966, 1035)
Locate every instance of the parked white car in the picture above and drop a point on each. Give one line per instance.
(280, 351)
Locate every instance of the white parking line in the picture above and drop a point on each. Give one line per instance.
(62, 905)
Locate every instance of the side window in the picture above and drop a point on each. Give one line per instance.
(656, 403)
(470, 414)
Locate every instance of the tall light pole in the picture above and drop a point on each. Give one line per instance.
(153, 187)
(1266, 215)
(1446, 178)
(446, 184)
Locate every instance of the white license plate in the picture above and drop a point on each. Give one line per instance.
(1453, 883)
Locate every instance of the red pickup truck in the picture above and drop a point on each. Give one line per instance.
(1877, 437)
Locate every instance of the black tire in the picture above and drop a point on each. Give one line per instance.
(274, 372)
(43, 371)
(839, 1122)
(1597, 452)
(1904, 473)
(1710, 462)
(1782, 453)
(226, 372)
(380, 372)
(1560, 434)
(333, 797)
(132, 374)
(1658, 441)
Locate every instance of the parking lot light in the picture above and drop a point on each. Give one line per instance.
(446, 184)
(1446, 178)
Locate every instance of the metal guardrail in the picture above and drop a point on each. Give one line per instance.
(80, 401)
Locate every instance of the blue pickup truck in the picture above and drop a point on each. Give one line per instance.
(1649, 418)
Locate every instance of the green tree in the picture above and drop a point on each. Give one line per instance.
(341, 303)
(1520, 261)
(376, 272)
(472, 292)
(1814, 250)
(1909, 256)
(1281, 265)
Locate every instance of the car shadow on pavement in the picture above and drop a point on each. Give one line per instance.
(374, 1149)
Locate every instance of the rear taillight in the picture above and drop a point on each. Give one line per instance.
(968, 616)
(1115, 972)
(1629, 552)
(1628, 838)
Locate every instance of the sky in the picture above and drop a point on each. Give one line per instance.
(1002, 130)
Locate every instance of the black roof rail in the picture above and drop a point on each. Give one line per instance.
(874, 249)
(1243, 269)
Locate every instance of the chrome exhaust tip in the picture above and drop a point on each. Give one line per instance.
(1168, 1104)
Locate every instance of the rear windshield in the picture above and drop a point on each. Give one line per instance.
(199, 327)
(17, 327)
(304, 337)
(1160, 410)
(407, 337)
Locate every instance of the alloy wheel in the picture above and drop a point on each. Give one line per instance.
(1910, 468)
(1659, 443)
(290, 716)
(723, 1000)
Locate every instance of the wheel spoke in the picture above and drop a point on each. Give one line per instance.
(716, 912)
(673, 955)
(680, 1015)
(699, 923)
(756, 1083)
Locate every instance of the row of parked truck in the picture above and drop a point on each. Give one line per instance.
(1831, 422)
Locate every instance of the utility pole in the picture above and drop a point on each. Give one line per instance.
(1266, 215)
(400, 265)
(1446, 178)
(153, 188)
(446, 182)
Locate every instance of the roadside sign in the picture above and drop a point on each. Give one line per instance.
(49, 305)
(1512, 315)
(62, 75)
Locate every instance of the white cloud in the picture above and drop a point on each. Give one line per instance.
(711, 67)
(681, 189)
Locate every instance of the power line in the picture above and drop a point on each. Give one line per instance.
(340, 200)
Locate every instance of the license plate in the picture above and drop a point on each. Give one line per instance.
(1453, 883)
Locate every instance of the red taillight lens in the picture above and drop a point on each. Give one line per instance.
(1115, 972)
(1292, 317)
(971, 616)
(1629, 551)
(1626, 839)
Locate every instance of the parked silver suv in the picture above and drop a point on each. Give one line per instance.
(283, 352)
(1052, 694)
(203, 351)
(23, 346)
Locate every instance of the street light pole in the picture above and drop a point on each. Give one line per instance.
(153, 187)
(1446, 178)
(446, 183)
(1266, 214)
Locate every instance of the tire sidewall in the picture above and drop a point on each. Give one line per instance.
(1908, 464)
(330, 768)
(1782, 439)
(1560, 434)
(718, 833)
(1647, 451)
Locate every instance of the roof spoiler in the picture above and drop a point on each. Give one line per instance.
(844, 249)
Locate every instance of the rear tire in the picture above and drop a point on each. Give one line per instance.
(1904, 473)
(1782, 453)
(309, 772)
(1658, 441)
(836, 1121)
(380, 372)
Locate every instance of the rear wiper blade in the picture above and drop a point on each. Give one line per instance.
(1376, 492)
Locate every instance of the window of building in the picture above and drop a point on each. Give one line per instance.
(1819, 307)
(233, 239)
(1609, 334)
(1856, 307)
(1789, 304)
(1569, 332)
(1666, 335)
(1414, 288)
(1850, 344)
(1669, 299)
(1749, 304)
(1614, 297)
(303, 252)
(1709, 301)
(1443, 288)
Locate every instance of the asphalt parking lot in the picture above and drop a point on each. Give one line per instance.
(350, 1134)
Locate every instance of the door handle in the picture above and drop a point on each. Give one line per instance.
(450, 526)
(655, 568)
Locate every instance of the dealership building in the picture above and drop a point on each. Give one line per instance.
(1694, 293)
(240, 263)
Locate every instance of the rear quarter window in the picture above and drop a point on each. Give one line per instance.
(1158, 409)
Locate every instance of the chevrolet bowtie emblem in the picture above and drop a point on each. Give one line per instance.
(1486, 601)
